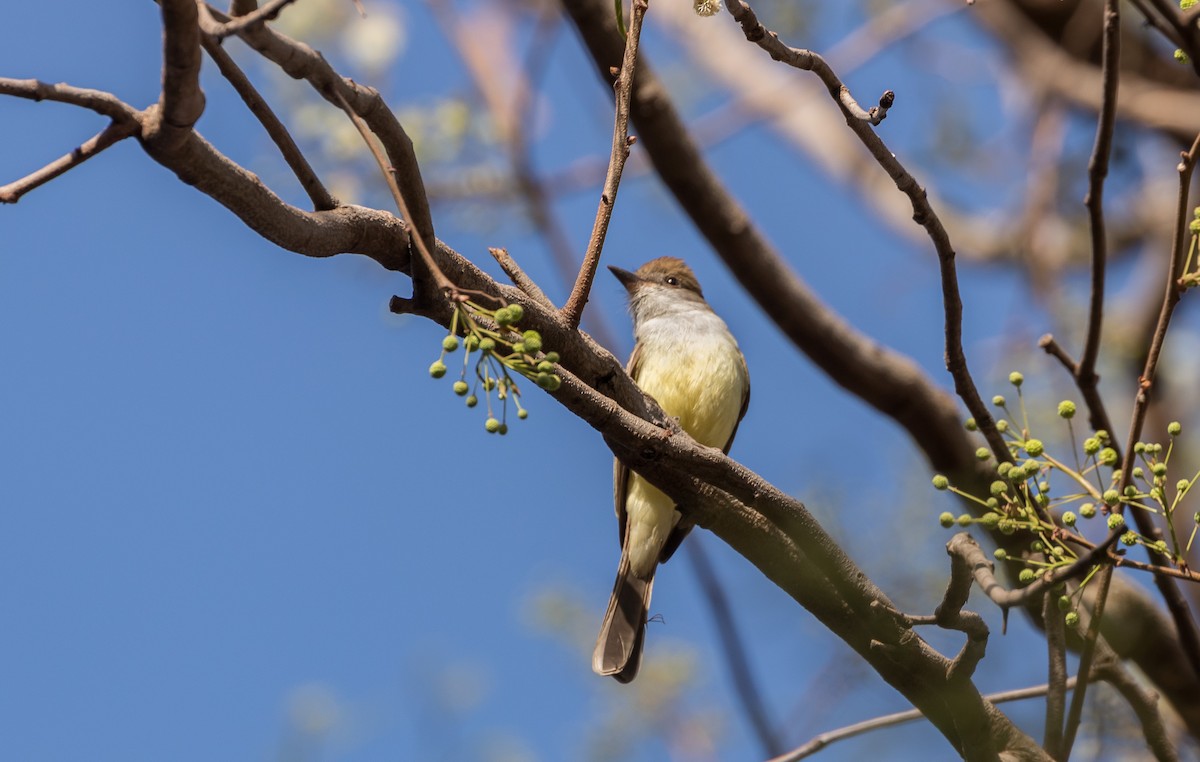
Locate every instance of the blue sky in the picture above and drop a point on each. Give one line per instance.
(231, 493)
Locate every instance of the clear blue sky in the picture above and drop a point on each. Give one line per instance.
(228, 487)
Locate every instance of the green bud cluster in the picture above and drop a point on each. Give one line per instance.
(497, 357)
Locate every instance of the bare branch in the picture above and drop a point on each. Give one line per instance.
(733, 648)
(113, 133)
(103, 103)
(210, 26)
(1094, 200)
(1056, 671)
(923, 213)
(181, 102)
(621, 142)
(899, 718)
(519, 278)
(302, 62)
(275, 129)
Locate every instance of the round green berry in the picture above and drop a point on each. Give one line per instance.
(1004, 468)
(970, 425)
(503, 429)
(438, 369)
(472, 342)
(460, 388)
(1015, 378)
(1129, 538)
(552, 357)
(472, 401)
(1111, 497)
(940, 482)
(492, 425)
(1091, 445)
(992, 502)
(1071, 619)
(1174, 427)
(998, 488)
(1159, 469)
(1000, 554)
(487, 344)
(999, 400)
(522, 414)
(533, 341)
(519, 348)
(1026, 576)
(1161, 546)
(1007, 526)
(1064, 602)
(983, 453)
(545, 367)
(450, 343)
(1116, 521)
(1102, 435)
(1139, 447)
(1066, 409)
(1107, 457)
(946, 519)
(516, 312)
(1034, 447)
(964, 520)
(1087, 510)
(1182, 486)
(1037, 546)
(503, 317)
(1069, 518)
(1002, 425)
(990, 520)
(1138, 473)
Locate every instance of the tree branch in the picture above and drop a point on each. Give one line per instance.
(278, 133)
(621, 141)
(181, 102)
(113, 133)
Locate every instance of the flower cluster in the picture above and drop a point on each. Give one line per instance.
(495, 355)
(1021, 497)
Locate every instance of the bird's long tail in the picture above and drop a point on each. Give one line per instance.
(619, 646)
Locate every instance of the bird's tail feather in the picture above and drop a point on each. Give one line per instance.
(619, 646)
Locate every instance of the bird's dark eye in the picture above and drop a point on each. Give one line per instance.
(672, 280)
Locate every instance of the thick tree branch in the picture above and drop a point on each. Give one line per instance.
(181, 102)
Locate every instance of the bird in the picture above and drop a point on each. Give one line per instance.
(688, 361)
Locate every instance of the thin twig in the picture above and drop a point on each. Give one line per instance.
(1086, 657)
(1056, 673)
(733, 648)
(113, 133)
(519, 278)
(572, 311)
(211, 26)
(1094, 200)
(278, 133)
(443, 283)
(861, 122)
(899, 718)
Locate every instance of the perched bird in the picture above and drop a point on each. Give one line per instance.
(686, 359)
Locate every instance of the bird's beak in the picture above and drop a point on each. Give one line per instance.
(628, 279)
